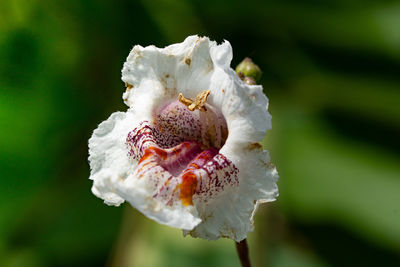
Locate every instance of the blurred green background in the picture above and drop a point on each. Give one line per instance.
(331, 72)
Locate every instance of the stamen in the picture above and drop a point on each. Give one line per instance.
(199, 102)
(186, 101)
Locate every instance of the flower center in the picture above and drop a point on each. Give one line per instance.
(175, 123)
(178, 152)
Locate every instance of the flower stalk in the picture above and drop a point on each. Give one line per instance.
(243, 252)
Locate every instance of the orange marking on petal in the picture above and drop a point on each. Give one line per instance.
(159, 152)
(188, 188)
(153, 151)
(147, 154)
(194, 165)
(144, 165)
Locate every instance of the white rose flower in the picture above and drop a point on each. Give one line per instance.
(186, 152)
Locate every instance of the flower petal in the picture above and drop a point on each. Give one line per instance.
(107, 156)
(201, 171)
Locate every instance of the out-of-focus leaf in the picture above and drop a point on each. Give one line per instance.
(282, 256)
(153, 244)
(176, 19)
(327, 178)
(377, 99)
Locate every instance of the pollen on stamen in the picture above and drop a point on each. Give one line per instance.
(198, 103)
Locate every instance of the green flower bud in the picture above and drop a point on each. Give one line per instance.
(249, 69)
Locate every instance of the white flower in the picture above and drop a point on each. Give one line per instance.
(193, 163)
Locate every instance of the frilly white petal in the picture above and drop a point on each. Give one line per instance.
(108, 156)
(157, 76)
(135, 192)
